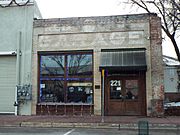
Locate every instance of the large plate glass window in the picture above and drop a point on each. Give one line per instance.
(80, 65)
(52, 91)
(52, 65)
(66, 77)
(79, 92)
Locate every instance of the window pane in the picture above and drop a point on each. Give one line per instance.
(80, 64)
(52, 91)
(80, 92)
(115, 89)
(131, 89)
(52, 65)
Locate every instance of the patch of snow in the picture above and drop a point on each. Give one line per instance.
(171, 104)
(171, 61)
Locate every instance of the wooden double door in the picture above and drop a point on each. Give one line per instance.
(125, 95)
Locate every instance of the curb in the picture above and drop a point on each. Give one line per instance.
(129, 126)
(69, 125)
(95, 125)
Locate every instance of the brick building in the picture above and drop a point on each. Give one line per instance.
(108, 65)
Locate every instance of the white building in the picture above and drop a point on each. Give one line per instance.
(16, 28)
(171, 78)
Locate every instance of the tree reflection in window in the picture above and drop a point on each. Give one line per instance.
(52, 91)
(80, 64)
(61, 72)
(52, 65)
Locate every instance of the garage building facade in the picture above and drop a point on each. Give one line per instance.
(16, 28)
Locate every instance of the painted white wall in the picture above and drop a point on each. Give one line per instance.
(170, 79)
(13, 21)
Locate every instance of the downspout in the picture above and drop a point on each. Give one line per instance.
(18, 74)
(102, 108)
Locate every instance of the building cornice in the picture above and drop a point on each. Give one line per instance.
(95, 20)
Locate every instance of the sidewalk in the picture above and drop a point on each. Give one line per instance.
(121, 122)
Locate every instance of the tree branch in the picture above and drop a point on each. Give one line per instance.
(140, 5)
(169, 10)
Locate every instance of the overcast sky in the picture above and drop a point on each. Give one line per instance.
(79, 8)
(82, 8)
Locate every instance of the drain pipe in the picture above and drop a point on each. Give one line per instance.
(18, 64)
(102, 108)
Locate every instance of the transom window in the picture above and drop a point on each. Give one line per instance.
(66, 77)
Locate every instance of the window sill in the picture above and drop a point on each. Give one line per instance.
(68, 104)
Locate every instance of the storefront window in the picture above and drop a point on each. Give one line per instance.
(80, 92)
(52, 65)
(80, 64)
(51, 91)
(66, 77)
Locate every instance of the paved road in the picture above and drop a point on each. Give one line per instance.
(77, 131)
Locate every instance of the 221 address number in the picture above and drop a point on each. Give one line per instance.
(115, 83)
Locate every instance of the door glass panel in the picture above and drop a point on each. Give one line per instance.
(131, 87)
(115, 89)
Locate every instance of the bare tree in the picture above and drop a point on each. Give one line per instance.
(169, 11)
(79, 63)
(51, 69)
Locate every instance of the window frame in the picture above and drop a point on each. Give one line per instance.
(66, 78)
